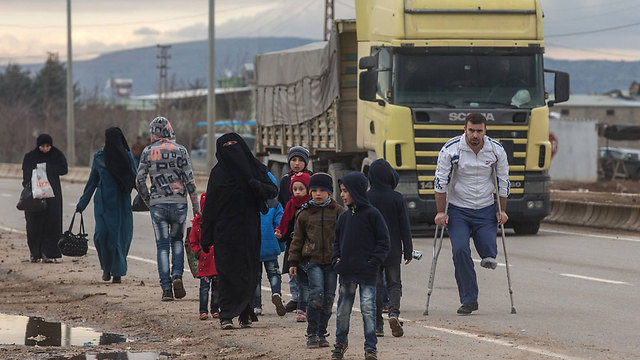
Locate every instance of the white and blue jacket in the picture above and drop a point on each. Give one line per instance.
(473, 182)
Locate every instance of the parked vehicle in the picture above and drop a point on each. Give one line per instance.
(620, 163)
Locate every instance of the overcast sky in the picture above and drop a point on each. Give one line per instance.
(574, 29)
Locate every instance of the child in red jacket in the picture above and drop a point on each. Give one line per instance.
(206, 269)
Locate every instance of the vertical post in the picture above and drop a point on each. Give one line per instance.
(71, 139)
(329, 11)
(211, 93)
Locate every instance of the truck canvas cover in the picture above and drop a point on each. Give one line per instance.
(296, 85)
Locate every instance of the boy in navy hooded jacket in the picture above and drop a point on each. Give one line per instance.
(361, 245)
(384, 179)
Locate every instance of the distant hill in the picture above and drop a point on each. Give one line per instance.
(189, 63)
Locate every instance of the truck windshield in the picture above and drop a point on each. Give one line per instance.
(468, 80)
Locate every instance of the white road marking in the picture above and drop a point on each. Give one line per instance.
(6, 195)
(592, 235)
(597, 279)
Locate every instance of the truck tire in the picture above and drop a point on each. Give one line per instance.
(337, 170)
(526, 228)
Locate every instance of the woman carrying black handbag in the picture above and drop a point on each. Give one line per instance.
(112, 178)
(45, 227)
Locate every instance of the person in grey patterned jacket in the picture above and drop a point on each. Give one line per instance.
(168, 165)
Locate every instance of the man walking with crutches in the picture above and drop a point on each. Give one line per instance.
(472, 211)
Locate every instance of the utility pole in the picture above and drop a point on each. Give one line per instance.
(211, 93)
(71, 125)
(162, 85)
(329, 16)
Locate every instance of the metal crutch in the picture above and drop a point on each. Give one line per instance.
(504, 246)
(437, 246)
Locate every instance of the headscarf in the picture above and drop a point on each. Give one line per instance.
(238, 159)
(116, 158)
(44, 139)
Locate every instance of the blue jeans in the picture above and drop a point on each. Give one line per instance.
(206, 283)
(168, 226)
(322, 291)
(275, 280)
(302, 281)
(482, 226)
(367, 307)
(293, 288)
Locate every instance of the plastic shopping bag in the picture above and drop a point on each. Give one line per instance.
(40, 185)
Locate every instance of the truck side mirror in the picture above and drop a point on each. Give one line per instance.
(368, 85)
(560, 87)
(368, 63)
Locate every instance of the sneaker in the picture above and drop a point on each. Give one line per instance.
(276, 299)
(167, 295)
(370, 355)
(322, 340)
(204, 316)
(246, 323)
(215, 315)
(385, 309)
(257, 311)
(489, 263)
(291, 306)
(178, 288)
(116, 279)
(338, 351)
(467, 308)
(396, 326)
(226, 324)
(35, 260)
(313, 342)
(380, 332)
(301, 316)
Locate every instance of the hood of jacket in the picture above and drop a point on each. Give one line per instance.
(160, 129)
(356, 184)
(382, 175)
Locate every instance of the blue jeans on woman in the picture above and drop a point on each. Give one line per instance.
(367, 308)
(322, 292)
(206, 283)
(275, 280)
(168, 225)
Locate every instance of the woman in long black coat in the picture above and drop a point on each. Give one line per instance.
(44, 228)
(236, 193)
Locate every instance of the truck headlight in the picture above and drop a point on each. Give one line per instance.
(411, 205)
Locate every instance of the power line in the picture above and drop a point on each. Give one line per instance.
(559, 20)
(592, 31)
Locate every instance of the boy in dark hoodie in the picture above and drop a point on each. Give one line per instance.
(360, 247)
(311, 250)
(391, 204)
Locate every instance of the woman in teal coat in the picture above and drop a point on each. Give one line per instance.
(113, 175)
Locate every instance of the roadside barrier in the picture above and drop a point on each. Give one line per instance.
(600, 215)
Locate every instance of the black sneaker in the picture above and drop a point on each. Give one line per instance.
(338, 350)
(276, 299)
(380, 332)
(313, 342)
(370, 355)
(116, 279)
(396, 326)
(322, 340)
(467, 308)
(167, 295)
(226, 324)
(245, 324)
(178, 288)
(291, 306)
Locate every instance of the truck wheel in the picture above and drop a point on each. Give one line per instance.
(337, 170)
(526, 228)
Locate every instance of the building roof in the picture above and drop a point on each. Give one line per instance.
(599, 100)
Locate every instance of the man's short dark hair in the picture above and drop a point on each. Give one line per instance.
(476, 119)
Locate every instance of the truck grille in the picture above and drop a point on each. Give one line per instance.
(429, 139)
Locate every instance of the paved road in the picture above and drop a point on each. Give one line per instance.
(576, 292)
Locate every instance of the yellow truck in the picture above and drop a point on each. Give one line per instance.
(398, 83)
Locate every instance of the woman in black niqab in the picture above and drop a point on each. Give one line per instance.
(237, 190)
(44, 228)
(116, 157)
